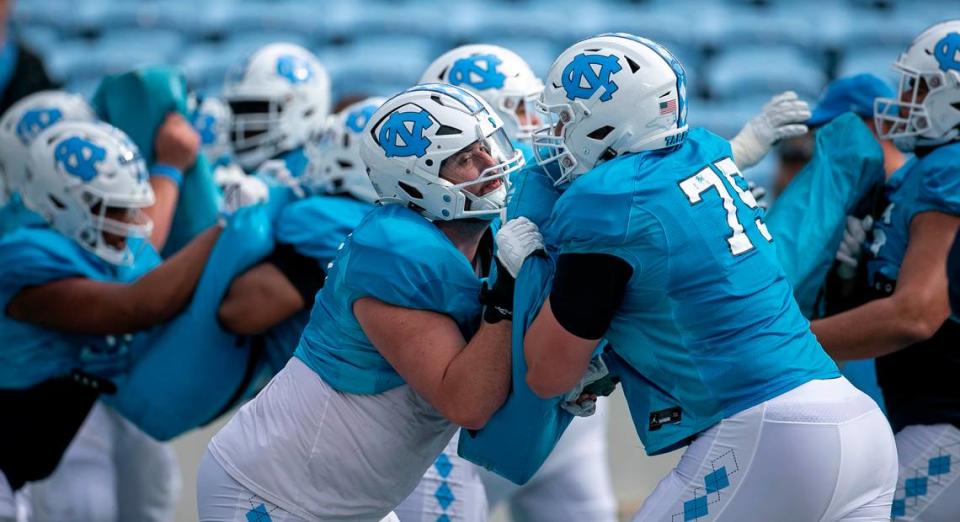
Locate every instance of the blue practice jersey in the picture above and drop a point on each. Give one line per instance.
(15, 214)
(918, 382)
(708, 317)
(396, 256)
(315, 227)
(29, 354)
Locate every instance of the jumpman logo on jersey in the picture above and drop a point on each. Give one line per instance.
(294, 69)
(947, 52)
(79, 157)
(586, 74)
(34, 121)
(358, 119)
(479, 72)
(402, 134)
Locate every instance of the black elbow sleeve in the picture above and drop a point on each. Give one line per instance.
(587, 292)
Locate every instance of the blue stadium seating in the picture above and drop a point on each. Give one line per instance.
(747, 71)
(736, 53)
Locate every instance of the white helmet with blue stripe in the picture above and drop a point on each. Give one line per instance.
(498, 75)
(410, 137)
(611, 94)
(280, 97)
(212, 119)
(335, 165)
(25, 119)
(926, 111)
(88, 181)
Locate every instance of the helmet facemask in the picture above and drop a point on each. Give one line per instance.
(926, 111)
(256, 133)
(508, 160)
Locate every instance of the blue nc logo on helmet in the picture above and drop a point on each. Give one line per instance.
(402, 134)
(35, 120)
(79, 157)
(588, 73)
(294, 69)
(479, 72)
(358, 119)
(206, 125)
(947, 52)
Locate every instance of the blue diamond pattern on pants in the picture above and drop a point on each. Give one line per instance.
(916, 487)
(443, 518)
(444, 495)
(717, 480)
(694, 509)
(939, 465)
(258, 514)
(899, 508)
(443, 465)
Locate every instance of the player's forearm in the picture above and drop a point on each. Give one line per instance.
(874, 329)
(478, 378)
(161, 212)
(257, 300)
(556, 359)
(165, 291)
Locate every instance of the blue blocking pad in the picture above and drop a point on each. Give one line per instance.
(808, 219)
(192, 370)
(137, 102)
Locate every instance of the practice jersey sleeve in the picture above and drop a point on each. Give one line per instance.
(409, 266)
(35, 256)
(940, 184)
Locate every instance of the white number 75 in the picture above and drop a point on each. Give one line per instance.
(707, 178)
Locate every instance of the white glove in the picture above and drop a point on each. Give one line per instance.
(277, 172)
(759, 194)
(596, 370)
(226, 174)
(854, 236)
(782, 117)
(517, 239)
(244, 192)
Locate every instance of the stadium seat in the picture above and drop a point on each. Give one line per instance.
(380, 61)
(206, 65)
(876, 60)
(159, 41)
(537, 52)
(39, 38)
(762, 71)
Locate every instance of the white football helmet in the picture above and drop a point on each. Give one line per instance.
(80, 176)
(612, 94)
(280, 97)
(408, 138)
(927, 111)
(335, 165)
(212, 119)
(498, 75)
(25, 119)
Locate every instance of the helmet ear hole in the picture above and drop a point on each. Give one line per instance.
(411, 191)
(600, 133)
